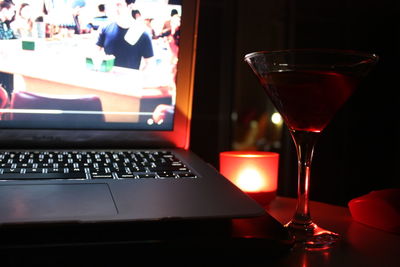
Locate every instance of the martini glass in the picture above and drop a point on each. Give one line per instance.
(308, 87)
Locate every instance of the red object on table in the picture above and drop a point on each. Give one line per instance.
(379, 209)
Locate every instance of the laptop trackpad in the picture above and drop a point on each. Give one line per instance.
(55, 202)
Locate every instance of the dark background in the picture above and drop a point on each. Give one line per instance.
(358, 151)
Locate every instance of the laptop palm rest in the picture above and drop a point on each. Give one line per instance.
(52, 202)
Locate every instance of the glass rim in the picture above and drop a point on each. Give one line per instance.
(371, 56)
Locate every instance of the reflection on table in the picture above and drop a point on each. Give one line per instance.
(360, 245)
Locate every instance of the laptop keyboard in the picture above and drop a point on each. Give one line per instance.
(43, 165)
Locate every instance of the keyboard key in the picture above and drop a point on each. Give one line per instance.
(42, 176)
(166, 174)
(10, 170)
(55, 170)
(102, 176)
(187, 175)
(126, 176)
(34, 170)
(147, 175)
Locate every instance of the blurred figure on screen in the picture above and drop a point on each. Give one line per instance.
(81, 26)
(171, 30)
(7, 13)
(101, 19)
(171, 33)
(163, 114)
(129, 43)
(23, 24)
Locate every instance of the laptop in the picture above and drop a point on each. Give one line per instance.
(81, 131)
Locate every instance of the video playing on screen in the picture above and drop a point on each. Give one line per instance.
(88, 63)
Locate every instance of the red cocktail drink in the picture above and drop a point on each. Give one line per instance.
(308, 87)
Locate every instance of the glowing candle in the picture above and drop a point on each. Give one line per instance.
(254, 172)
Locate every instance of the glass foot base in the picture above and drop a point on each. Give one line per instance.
(311, 237)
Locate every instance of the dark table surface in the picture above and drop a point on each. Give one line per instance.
(258, 241)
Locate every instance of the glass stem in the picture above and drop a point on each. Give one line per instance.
(305, 142)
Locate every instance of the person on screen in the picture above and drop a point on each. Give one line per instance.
(163, 114)
(128, 42)
(136, 14)
(171, 34)
(23, 23)
(80, 26)
(100, 19)
(7, 13)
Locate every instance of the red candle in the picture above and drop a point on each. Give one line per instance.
(254, 172)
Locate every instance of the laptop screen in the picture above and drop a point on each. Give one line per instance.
(76, 64)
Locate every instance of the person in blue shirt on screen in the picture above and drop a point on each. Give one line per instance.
(7, 12)
(125, 39)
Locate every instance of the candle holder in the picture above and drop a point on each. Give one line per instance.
(254, 172)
